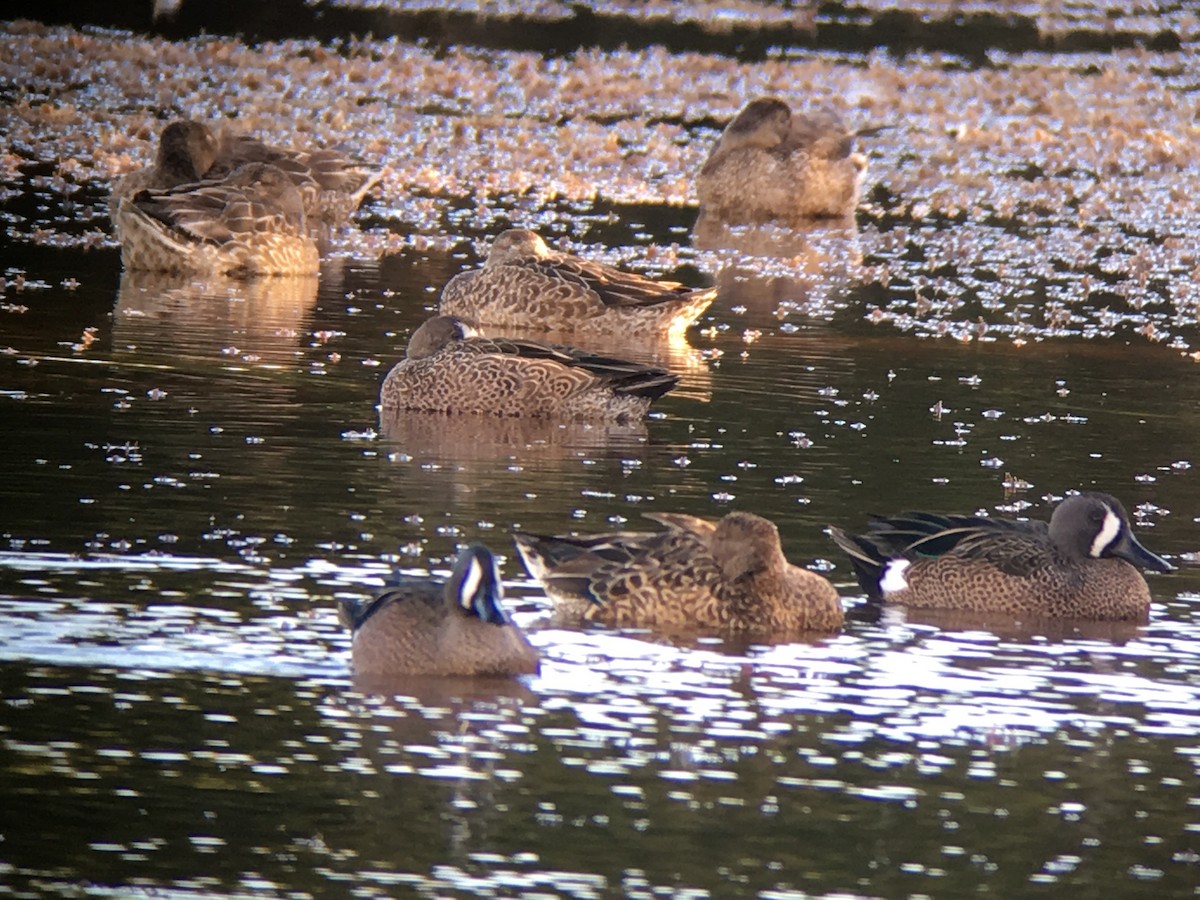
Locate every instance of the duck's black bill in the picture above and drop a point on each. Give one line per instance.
(1130, 550)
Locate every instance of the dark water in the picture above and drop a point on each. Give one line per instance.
(193, 473)
(186, 496)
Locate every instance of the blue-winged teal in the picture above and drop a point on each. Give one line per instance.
(771, 165)
(450, 370)
(186, 151)
(252, 223)
(727, 574)
(331, 184)
(423, 626)
(1081, 565)
(524, 284)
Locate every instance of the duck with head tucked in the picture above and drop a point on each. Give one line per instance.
(423, 626)
(186, 151)
(1083, 564)
(449, 369)
(728, 574)
(252, 223)
(524, 284)
(331, 184)
(772, 165)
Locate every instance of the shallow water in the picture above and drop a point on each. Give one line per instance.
(195, 472)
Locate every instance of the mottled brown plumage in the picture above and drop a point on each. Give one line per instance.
(1080, 565)
(186, 150)
(449, 370)
(331, 184)
(772, 165)
(423, 626)
(252, 223)
(525, 284)
(727, 574)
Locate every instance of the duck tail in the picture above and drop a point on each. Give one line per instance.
(866, 559)
(648, 383)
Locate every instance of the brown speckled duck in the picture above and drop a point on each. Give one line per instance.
(448, 369)
(424, 626)
(771, 165)
(727, 574)
(186, 151)
(524, 284)
(251, 223)
(331, 184)
(1083, 564)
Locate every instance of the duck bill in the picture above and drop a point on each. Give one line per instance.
(1130, 550)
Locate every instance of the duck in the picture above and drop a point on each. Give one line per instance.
(251, 223)
(450, 369)
(332, 184)
(728, 574)
(1083, 564)
(524, 284)
(186, 151)
(772, 165)
(427, 626)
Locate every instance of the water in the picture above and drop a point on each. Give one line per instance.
(195, 472)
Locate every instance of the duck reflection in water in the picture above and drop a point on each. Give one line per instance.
(446, 744)
(188, 315)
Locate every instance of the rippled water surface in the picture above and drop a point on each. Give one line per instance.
(194, 473)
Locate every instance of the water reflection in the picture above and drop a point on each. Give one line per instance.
(772, 269)
(1023, 628)
(178, 715)
(431, 437)
(251, 320)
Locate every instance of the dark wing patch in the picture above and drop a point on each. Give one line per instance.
(614, 287)
(621, 375)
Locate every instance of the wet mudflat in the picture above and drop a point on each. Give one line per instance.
(195, 471)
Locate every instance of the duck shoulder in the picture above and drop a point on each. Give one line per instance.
(419, 595)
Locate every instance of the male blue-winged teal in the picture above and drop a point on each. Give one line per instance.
(448, 369)
(771, 165)
(1081, 565)
(331, 184)
(252, 223)
(423, 626)
(524, 284)
(727, 574)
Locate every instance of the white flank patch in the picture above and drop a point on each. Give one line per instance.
(893, 579)
(470, 584)
(1108, 533)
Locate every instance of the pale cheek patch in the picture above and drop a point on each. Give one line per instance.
(470, 584)
(1108, 533)
(893, 579)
